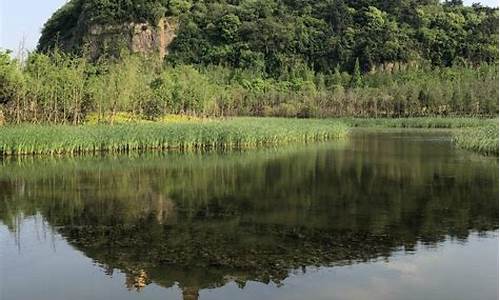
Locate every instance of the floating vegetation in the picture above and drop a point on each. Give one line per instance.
(184, 136)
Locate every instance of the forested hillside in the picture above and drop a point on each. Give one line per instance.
(290, 58)
(276, 36)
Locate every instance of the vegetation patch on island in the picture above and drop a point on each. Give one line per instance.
(183, 136)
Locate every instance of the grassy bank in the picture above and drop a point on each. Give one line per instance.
(480, 139)
(196, 136)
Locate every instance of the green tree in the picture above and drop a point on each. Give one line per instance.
(356, 79)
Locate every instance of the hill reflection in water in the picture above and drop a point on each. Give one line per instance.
(202, 220)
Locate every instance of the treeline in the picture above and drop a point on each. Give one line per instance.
(273, 37)
(62, 88)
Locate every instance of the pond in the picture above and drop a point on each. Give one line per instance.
(385, 214)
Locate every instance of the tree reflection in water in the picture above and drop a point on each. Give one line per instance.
(202, 220)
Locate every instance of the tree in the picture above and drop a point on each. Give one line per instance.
(356, 79)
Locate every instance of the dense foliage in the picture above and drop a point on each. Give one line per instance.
(279, 37)
(276, 37)
(264, 58)
(61, 88)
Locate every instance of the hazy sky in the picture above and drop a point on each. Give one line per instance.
(23, 19)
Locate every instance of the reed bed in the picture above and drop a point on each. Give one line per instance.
(422, 122)
(217, 135)
(480, 139)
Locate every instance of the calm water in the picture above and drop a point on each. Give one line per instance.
(384, 215)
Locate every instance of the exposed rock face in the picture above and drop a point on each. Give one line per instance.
(142, 38)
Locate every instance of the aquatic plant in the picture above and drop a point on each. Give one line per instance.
(183, 136)
(482, 139)
(422, 122)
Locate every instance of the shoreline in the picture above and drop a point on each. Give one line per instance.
(473, 134)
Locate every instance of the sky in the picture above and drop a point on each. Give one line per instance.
(22, 20)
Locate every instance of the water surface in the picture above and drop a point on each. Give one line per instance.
(384, 215)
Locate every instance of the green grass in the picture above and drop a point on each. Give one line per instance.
(218, 135)
(423, 122)
(480, 139)
(479, 135)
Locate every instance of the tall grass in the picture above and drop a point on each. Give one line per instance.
(480, 139)
(214, 135)
(422, 122)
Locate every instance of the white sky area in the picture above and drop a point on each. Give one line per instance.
(22, 20)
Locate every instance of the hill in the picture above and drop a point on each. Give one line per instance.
(276, 37)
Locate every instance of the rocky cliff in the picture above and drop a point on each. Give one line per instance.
(142, 38)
